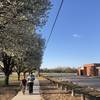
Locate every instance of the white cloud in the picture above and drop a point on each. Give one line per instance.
(76, 35)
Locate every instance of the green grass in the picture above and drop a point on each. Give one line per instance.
(12, 79)
(1, 82)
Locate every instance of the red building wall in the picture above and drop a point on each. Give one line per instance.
(90, 69)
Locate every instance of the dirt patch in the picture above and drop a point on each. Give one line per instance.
(50, 92)
(8, 92)
(59, 96)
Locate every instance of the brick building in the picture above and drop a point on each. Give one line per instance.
(80, 71)
(90, 70)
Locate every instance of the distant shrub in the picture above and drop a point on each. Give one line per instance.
(60, 70)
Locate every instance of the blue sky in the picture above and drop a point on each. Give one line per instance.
(76, 36)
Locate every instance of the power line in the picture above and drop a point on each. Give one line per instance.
(51, 32)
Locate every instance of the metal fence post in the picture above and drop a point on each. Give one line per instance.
(72, 93)
(82, 97)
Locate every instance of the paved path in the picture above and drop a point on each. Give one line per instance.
(34, 96)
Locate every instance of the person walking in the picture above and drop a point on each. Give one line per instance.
(23, 85)
(30, 82)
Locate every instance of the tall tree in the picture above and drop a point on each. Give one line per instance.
(34, 55)
(8, 62)
(19, 67)
(18, 20)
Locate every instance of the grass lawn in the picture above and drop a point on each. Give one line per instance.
(1, 82)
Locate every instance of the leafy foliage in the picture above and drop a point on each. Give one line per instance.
(16, 11)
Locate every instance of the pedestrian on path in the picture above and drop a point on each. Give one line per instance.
(30, 82)
(23, 85)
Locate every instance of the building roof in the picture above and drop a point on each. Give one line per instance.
(93, 64)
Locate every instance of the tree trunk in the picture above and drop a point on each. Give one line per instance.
(39, 73)
(6, 79)
(18, 76)
(24, 73)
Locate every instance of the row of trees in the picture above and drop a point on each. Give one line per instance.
(21, 48)
(60, 70)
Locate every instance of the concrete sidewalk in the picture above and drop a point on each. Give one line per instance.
(26, 96)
